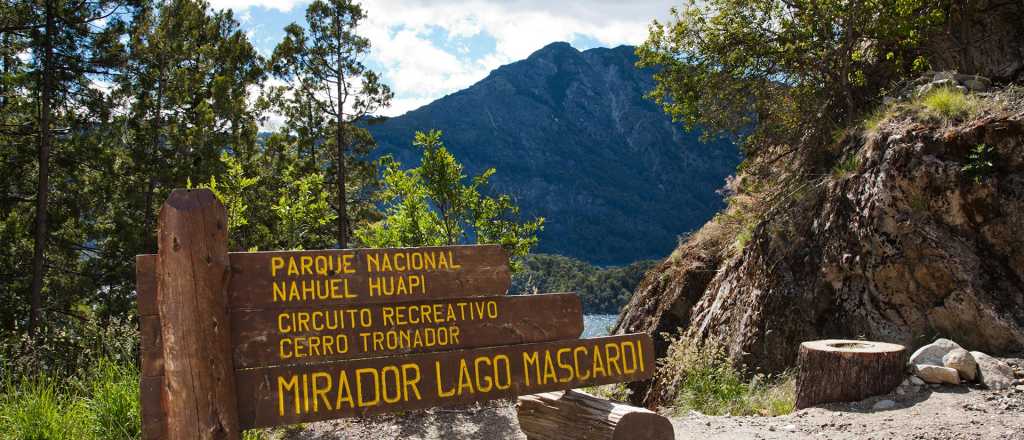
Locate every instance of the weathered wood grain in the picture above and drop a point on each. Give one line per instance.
(575, 415)
(295, 394)
(402, 328)
(192, 275)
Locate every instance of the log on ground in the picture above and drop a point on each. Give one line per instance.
(575, 415)
(838, 370)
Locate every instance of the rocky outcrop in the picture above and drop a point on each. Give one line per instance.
(901, 247)
(982, 37)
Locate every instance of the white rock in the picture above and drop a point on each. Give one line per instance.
(884, 405)
(961, 361)
(916, 380)
(934, 374)
(789, 428)
(932, 354)
(993, 373)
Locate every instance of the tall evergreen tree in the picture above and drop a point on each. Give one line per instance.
(67, 47)
(332, 91)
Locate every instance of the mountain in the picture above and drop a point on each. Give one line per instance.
(575, 141)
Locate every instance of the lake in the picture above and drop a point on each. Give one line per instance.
(597, 325)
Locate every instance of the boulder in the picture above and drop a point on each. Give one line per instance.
(937, 375)
(883, 405)
(933, 353)
(961, 361)
(993, 373)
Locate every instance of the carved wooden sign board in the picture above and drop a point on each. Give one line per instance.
(241, 340)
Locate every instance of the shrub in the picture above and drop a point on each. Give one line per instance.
(706, 381)
(980, 162)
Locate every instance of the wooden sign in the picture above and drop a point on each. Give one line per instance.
(359, 276)
(305, 335)
(243, 340)
(295, 394)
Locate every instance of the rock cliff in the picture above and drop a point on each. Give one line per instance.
(917, 231)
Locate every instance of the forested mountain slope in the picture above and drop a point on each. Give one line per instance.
(572, 136)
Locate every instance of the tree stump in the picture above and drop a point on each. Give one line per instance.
(574, 415)
(838, 370)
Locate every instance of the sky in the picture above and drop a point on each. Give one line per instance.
(426, 49)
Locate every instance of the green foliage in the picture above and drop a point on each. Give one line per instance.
(602, 290)
(231, 191)
(436, 204)
(332, 90)
(980, 162)
(103, 405)
(772, 71)
(947, 103)
(705, 381)
(847, 166)
(303, 213)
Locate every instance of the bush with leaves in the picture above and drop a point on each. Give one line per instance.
(771, 72)
(435, 204)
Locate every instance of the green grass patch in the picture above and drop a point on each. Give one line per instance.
(102, 405)
(847, 166)
(705, 381)
(947, 103)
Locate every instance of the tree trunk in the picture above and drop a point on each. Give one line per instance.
(43, 181)
(342, 177)
(574, 415)
(837, 370)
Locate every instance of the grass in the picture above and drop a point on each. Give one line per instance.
(102, 405)
(943, 104)
(847, 166)
(948, 103)
(706, 381)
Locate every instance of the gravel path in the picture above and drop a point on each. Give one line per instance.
(916, 413)
(930, 413)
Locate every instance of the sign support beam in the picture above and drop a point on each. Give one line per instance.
(192, 277)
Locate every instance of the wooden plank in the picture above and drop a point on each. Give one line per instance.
(150, 349)
(366, 276)
(309, 335)
(145, 284)
(195, 326)
(152, 411)
(295, 394)
(151, 346)
(444, 272)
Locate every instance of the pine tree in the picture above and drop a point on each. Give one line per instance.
(331, 91)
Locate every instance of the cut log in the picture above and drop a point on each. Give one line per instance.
(575, 415)
(839, 370)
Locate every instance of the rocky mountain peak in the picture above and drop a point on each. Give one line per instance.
(573, 138)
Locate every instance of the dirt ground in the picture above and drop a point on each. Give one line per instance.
(917, 413)
(930, 413)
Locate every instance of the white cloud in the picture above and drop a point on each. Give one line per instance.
(420, 68)
(240, 5)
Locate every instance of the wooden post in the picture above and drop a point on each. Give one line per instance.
(839, 370)
(574, 415)
(192, 276)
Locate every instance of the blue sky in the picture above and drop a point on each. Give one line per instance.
(426, 49)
